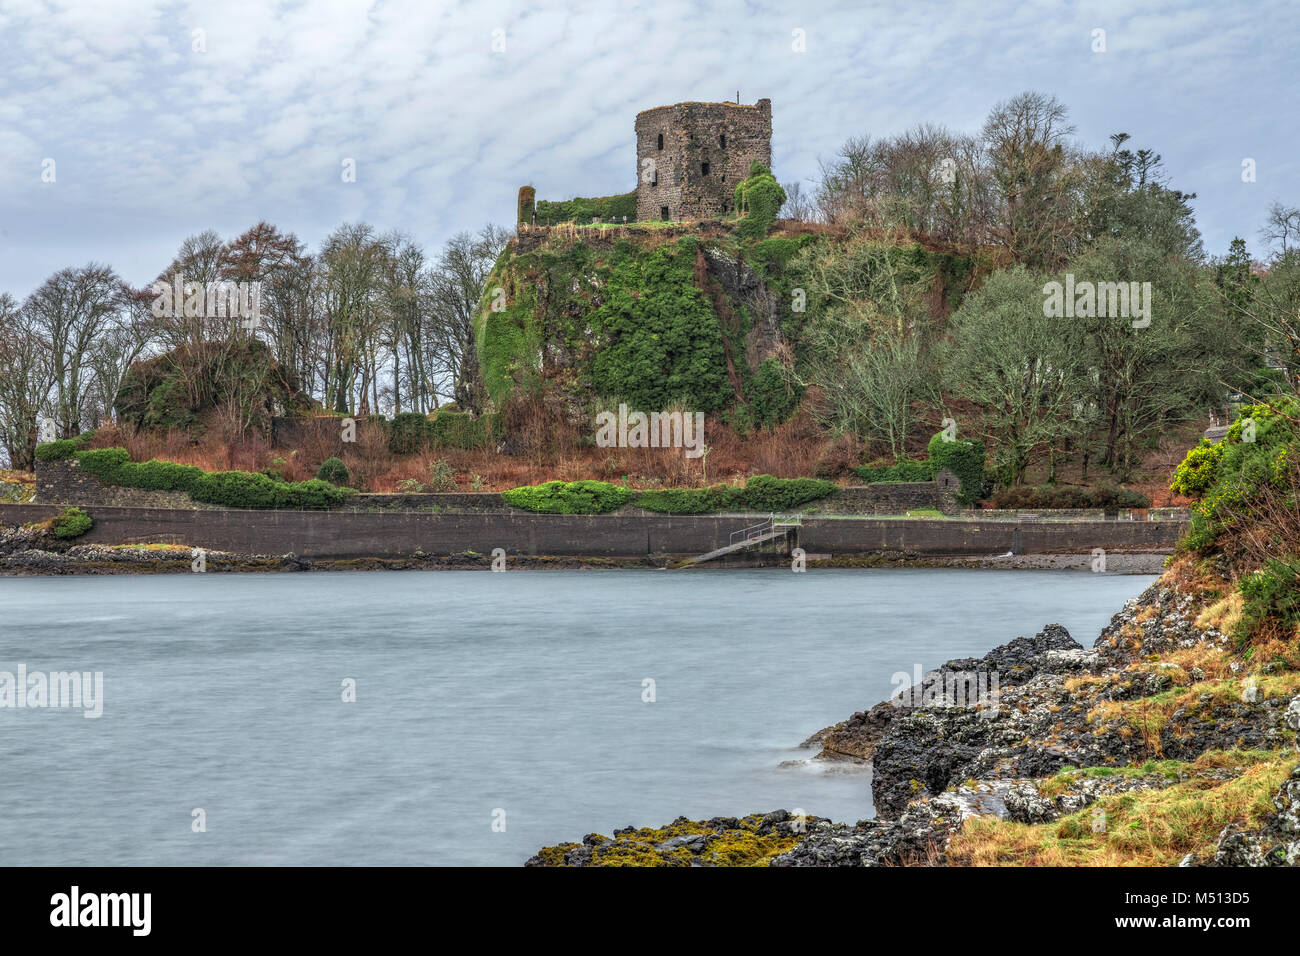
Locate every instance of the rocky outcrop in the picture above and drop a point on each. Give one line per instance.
(1071, 728)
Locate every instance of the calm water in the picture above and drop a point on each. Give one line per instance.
(476, 692)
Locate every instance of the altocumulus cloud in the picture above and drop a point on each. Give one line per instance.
(164, 119)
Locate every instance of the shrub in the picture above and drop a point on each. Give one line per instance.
(583, 209)
(692, 501)
(1233, 478)
(765, 493)
(157, 475)
(246, 489)
(965, 459)
(759, 199)
(569, 497)
(904, 470)
(1271, 606)
(71, 524)
(1197, 472)
(104, 463)
(56, 450)
(441, 477)
(236, 489)
(409, 433)
(310, 495)
(334, 471)
(1107, 497)
(771, 396)
(461, 430)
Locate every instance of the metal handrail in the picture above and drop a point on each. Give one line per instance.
(753, 531)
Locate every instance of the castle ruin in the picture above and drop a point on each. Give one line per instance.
(690, 156)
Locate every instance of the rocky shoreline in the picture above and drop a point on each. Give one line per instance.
(26, 551)
(1157, 745)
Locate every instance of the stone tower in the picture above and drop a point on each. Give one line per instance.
(690, 156)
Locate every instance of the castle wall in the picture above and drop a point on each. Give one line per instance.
(693, 135)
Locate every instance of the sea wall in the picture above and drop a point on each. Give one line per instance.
(340, 534)
(64, 482)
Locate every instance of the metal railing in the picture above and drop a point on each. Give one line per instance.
(753, 531)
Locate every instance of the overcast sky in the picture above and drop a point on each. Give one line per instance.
(158, 131)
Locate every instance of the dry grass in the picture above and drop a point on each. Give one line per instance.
(1142, 828)
(795, 449)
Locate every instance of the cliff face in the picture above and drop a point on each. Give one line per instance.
(688, 321)
(1158, 745)
(582, 319)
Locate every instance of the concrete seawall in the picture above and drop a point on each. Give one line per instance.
(340, 535)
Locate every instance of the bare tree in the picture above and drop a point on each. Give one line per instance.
(74, 310)
(25, 384)
(1282, 227)
(457, 288)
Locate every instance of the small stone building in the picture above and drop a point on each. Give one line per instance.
(690, 156)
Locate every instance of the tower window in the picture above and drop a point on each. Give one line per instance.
(661, 140)
(704, 169)
(722, 140)
(654, 178)
(663, 213)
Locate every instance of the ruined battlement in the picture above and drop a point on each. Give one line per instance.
(690, 156)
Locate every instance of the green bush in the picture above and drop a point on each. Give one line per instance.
(904, 470)
(1272, 601)
(310, 495)
(569, 497)
(461, 430)
(104, 463)
(1229, 477)
(759, 199)
(71, 524)
(772, 397)
(236, 489)
(409, 433)
(692, 501)
(582, 209)
(56, 450)
(765, 493)
(965, 459)
(334, 471)
(157, 475)
(442, 478)
(246, 489)
(1197, 472)
(1107, 497)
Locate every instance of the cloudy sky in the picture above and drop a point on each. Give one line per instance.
(165, 119)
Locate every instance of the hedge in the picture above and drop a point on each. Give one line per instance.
(56, 450)
(582, 209)
(765, 493)
(73, 523)
(156, 475)
(410, 432)
(761, 493)
(692, 501)
(1107, 497)
(569, 497)
(904, 470)
(231, 489)
(246, 489)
